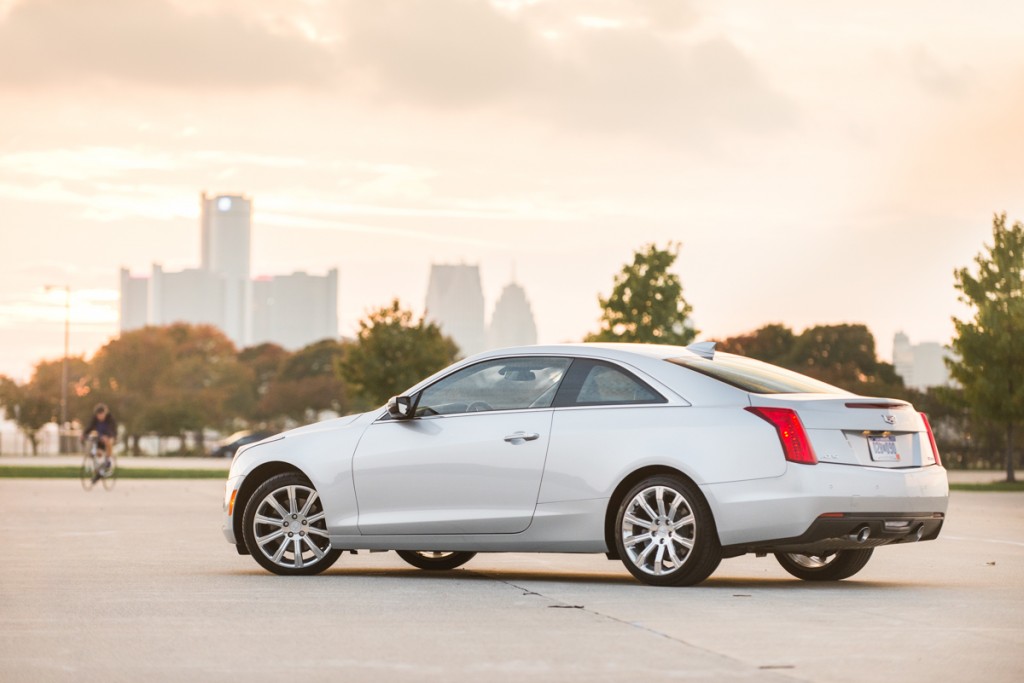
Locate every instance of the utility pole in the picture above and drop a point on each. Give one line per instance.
(63, 427)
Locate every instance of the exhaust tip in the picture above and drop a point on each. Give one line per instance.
(919, 533)
(861, 535)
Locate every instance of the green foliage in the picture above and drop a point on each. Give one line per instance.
(166, 380)
(772, 343)
(646, 304)
(989, 347)
(392, 353)
(306, 383)
(30, 409)
(36, 403)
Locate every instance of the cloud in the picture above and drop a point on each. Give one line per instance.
(151, 42)
(646, 69)
(448, 52)
(640, 73)
(937, 78)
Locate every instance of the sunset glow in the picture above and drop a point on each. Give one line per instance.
(820, 164)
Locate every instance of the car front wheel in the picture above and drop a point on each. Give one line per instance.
(841, 564)
(284, 527)
(665, 533)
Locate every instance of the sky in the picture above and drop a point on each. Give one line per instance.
(819, 162)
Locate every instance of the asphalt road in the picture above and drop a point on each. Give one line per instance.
(138, 584)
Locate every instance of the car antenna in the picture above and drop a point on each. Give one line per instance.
(703, 349)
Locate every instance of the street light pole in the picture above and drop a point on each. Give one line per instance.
(62, 429)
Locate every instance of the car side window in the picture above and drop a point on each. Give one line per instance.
(501, 384)
(596, 383)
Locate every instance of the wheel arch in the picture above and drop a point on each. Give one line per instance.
(625, 485)
(252, 481)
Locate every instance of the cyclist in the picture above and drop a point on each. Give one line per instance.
(104, 427)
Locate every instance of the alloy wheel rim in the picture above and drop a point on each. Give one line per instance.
(290, 529)
(658, 530)
(811, 561)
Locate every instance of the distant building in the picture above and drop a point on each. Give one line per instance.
(294, 310)
(512, 322)
(920, 365)
(455, 301)
(134, 301)
(194, 296)
(226, 223)
(291, 310)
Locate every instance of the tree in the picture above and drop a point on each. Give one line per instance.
(205, 386)
(125, 375)
(306, 384)
(30, 409)
(173, 379)
(391, 353)
(264, 361)
(989, 346)
(771, 343)
(842, 355)
(646, 304)
(36, 403)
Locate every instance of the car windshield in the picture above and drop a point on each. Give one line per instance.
(755, 376)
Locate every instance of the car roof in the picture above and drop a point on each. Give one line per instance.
(623, 352)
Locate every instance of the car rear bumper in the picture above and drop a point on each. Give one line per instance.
(850, 532)
(789, 509)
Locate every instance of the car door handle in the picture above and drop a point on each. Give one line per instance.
(522, 436)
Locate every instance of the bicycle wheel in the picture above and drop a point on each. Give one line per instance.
(87, 473)
(109, 473)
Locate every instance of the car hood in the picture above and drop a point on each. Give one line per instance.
(332, 424)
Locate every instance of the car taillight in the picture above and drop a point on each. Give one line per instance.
(931, 438)
(795, 443)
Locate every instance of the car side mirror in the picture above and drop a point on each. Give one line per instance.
(400, 407)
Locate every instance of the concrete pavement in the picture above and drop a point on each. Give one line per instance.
(138, 584)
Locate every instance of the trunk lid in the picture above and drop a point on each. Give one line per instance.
(854, 430)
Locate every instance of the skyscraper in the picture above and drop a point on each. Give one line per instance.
(920, 365)
(226, 222)
(512, 322)
(290, 310)
(455, 301)
(295, 310)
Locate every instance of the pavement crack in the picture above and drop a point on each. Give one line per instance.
(780, 672)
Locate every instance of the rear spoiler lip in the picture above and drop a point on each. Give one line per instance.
(880, 405)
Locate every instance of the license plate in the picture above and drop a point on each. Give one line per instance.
(883, 448)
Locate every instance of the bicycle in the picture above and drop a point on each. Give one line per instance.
(97, 465)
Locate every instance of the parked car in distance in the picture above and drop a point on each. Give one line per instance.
(669, 459)
(229, 445)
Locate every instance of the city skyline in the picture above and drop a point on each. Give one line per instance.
(819, 164)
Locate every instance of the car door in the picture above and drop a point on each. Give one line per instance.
(472, 458)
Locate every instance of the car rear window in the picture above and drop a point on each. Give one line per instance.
(755, 376)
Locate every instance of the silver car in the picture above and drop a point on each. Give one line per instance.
(666, 458)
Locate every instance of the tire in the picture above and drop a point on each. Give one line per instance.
(108, 474)
(665, 533)
(87, 473)
(435, 560)
(285, 515)
(841, 565)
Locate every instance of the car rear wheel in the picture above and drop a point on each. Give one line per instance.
(284, 527)
(665, 533)
(841, 564)
(435, 560)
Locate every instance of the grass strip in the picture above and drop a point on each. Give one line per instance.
(72, 472)
(997, 486)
